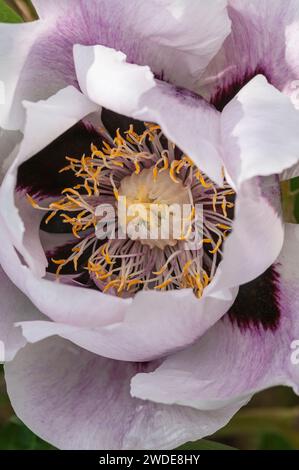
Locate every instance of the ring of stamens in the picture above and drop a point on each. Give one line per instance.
(124, 266)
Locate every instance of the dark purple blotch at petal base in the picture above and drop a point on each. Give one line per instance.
(258, 303)
(64, 252)
(79, 276)
(40, 176)
(225, 94)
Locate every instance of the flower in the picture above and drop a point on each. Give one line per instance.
(137, 342)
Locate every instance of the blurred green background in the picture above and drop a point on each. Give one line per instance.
(269, 422)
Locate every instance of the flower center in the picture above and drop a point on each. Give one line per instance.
(154, 206)
(153, 191)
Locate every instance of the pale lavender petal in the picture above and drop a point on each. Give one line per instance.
(155, 324)
(185, 118)
(258, 233)
(37, 57)
(76, 400)
(259, 130)
(162, 34)
(15, 307)
(15, 45)
(60, 302)
(230, 362)
(78, 310)
(65, 304)
(264, 41)
(45, 121)
(8, 142)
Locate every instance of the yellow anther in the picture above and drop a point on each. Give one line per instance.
(192, 214)
(122, 284)
(162, 270)
(107, 147)
(116, 193)
(105, 276)
(199, 284)
(186, 267)
(50, 217)
(202, 181)
(137, 167)
(72, 160)
(75, 230)
(105, 254)
(75, 261)
(58, 261)
(87, 187)
(119, 140)
(155, 172)
(188, 160)
(133, 282)
(164, 284)
(224, 227)
(74, 201)
(223, 205)
(172, 171)
(32, 202)
(180, 166)
(71, 191)
(111, 285)
(166, 162)
(217, 246)
(67, 219)
(206, 279)
(66, 168)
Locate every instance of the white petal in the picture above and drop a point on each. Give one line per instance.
(76, 400)
(131, 90)
(16, 42)
(231, 363)
(55, 115)
(15, 307)
(259, 132)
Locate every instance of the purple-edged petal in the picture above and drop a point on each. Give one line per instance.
(76, 400)
(107, 325)
(154, 324)
(259, 130)
(15, 45)
(162, 34)
(15, 307)
(59, 302)
(8, 143)
(44, 122)
(232, 362)
(264, 40)
(131, 90)
(257, 236)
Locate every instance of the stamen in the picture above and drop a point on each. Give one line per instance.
(146, 169)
